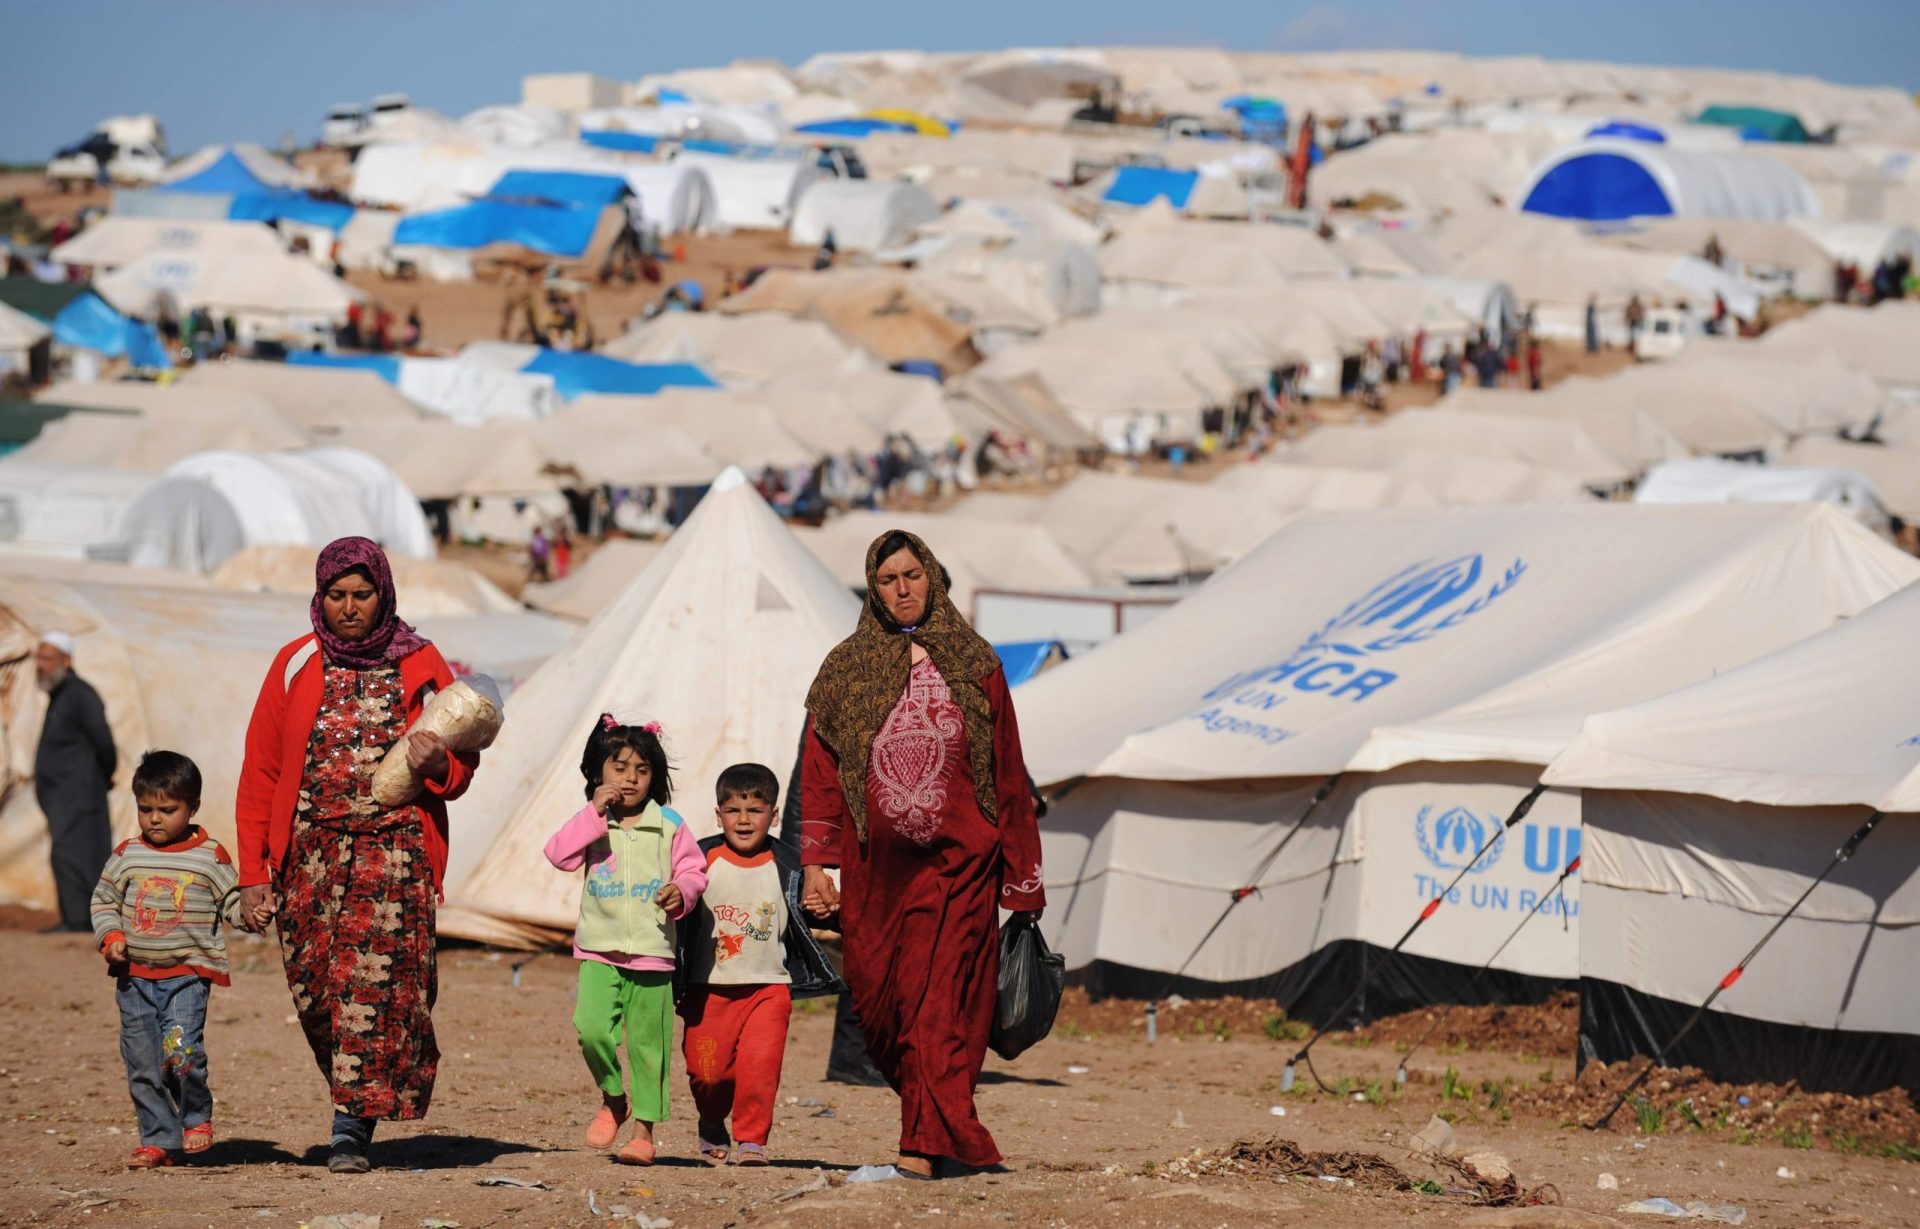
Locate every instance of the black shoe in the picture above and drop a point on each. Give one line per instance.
(348, 1157)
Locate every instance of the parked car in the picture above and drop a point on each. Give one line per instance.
(1664, 334)
(124, 149)
(344, 124)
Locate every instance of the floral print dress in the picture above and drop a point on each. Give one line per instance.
(357, 908)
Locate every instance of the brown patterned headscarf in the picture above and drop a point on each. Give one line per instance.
(865, 675)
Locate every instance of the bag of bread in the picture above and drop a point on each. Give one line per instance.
(466, 715)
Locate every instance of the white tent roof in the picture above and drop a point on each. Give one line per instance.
(735, 427)
(865, 215)
(754, 346)
(597, 438)
(316, 398)
(1550, 444)
(754, 193)
(19, 331)
(276, 285)
(1218, 254)
(443, 460)
(594, 585)
(718, 640)
(1894, 469)
(1828, 721)
(153, 443)
(117, 240)
(1709, 480)
(1465, 634)
(314, 496)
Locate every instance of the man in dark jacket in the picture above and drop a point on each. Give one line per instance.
(72, 770)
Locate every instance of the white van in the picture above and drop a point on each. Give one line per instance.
(1663, 334)
(344, 124)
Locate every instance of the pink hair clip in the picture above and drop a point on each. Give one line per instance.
(608, 723)
(653, 728)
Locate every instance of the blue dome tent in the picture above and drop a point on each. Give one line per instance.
(1610, 180)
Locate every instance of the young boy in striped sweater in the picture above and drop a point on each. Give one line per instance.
(156, 914)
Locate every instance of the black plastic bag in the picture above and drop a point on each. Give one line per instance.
(1031, 979)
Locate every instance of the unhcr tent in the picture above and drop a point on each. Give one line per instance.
(1438, 660)
(115, 241)
(717, 639)
(752, 347)
(1604, 181)
(62, 510)
(1709, 480)
(1708, 812)
(754, 193)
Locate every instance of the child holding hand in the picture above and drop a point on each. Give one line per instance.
(156, 917)
(748, 952)
(643, 873)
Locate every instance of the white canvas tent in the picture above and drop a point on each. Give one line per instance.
(1709, 811)
(313, 496)
(754, 193)
(1439, 659)
(717, 639)
(1702, 480)
(50, 508)
(116, 240)
(864, 215)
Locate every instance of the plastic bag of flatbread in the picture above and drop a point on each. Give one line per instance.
(466, 716)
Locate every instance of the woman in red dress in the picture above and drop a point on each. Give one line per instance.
(913, 785)
(353, 883)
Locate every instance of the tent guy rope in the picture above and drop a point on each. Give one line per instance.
(1840, 855)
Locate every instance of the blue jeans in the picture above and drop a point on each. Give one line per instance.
(160, 1039)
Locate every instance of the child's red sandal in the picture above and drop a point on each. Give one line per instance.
(197, 1138)
(146, 1156)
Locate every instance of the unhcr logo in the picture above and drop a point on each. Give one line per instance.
(1409, 607)
(1451, 839)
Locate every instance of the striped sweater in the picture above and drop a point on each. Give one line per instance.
(167, 904)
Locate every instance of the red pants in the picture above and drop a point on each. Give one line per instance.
(736, 1037)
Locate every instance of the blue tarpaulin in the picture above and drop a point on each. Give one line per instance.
(1022, 660)
(1140, 185)
(271, 206)
(575, 374)
(90, 323)
(227, 176)
(555, 230)
(627, 142)
(565, 187)
(854, 127)
(386, 366)
(1626, 130)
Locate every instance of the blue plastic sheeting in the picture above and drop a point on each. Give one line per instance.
(668, 94)
(386, 366)
(1140, 185)
(920, 367)
(566, 187)
(854, 127)
(1022, 660)
(228, 176)
(1257, 110)
(557, 231)
(629, 142)
(90, 323)
(1598, 187)
(575, 374)
(1628, 131)
(271, 206)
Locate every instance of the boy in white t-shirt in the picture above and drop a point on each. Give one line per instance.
(747, 953)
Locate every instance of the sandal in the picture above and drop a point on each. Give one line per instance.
(605, 1127)
(146, 1156)
(637, 1152)
(752, 1154)
(712, 1153)
(198, 1138)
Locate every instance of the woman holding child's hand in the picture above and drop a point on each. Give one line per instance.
(340, 871)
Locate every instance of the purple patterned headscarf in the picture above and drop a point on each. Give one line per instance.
(391, 638)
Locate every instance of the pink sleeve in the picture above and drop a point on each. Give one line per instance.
(567, 848)
(689, 869)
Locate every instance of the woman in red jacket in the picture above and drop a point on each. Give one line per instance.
(353, 883)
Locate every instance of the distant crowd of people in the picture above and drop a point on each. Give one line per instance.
(899, 474)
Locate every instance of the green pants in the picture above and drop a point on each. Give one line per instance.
(642, 1002)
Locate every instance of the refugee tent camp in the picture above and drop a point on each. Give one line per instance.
(1708, 812)
(862, 215)
(1609, 179)
(717, 639)
(1459, 651)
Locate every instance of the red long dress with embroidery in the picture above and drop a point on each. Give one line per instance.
(919, 898)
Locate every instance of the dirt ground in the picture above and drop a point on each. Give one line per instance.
(1099, 1127)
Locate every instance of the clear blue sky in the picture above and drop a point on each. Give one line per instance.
(252, 69)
